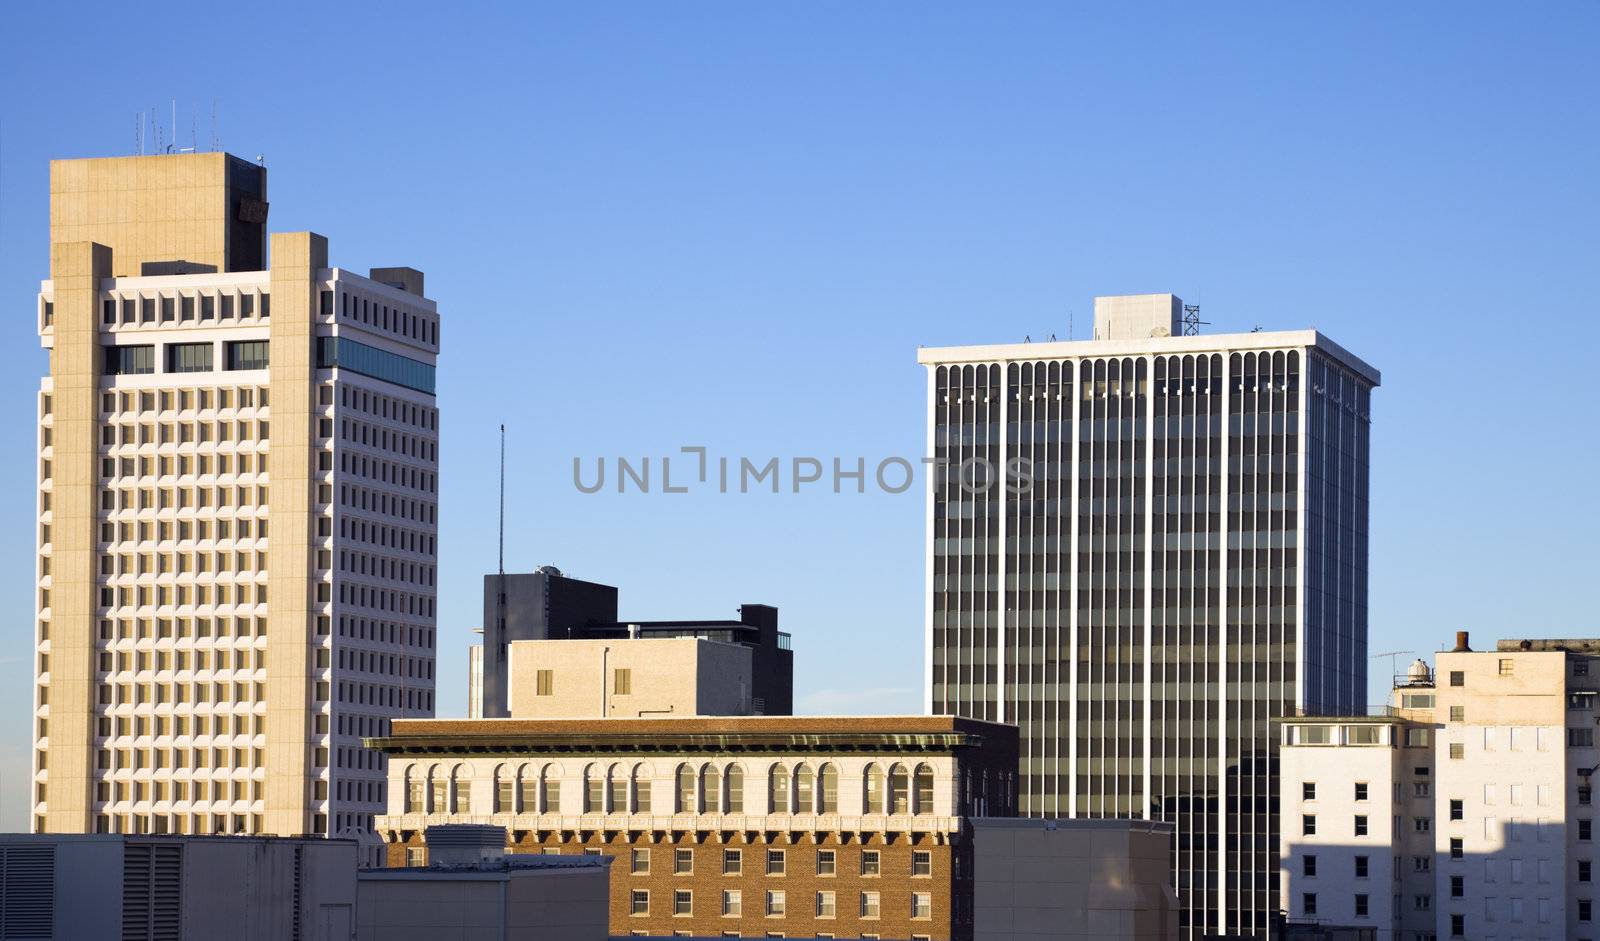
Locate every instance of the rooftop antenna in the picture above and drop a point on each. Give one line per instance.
(500, 583)
(1191, 320)
(173, 147)
(138, 133)
(502, 501)
(214, 124)
(1393, 655)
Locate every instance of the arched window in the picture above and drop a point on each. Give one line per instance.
(710, 791)
(899, 791)
(594, 790)
(414, 791)
(733, 778)
(777, 789)
(872, 788)
(924, 790)
(616, 790)
(527, 790)
(438, 790)
(460, 790)
(805, 789)
(641, 789)
(505, 791)
(685, 802)
(550, 788)
(828, 790)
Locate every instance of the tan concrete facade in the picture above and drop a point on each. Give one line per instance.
(164, 214)
(67, 553)
(297, 262)
(635, 677)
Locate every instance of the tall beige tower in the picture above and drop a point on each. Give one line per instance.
(237, 516)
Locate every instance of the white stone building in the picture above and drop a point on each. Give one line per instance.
(1463, 811)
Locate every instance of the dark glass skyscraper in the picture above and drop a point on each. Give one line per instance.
(1142, 549)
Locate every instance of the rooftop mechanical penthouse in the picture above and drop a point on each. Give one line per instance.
(238, 478)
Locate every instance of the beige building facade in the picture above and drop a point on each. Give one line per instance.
(237, 500)
(1464, 810)
(633, 677)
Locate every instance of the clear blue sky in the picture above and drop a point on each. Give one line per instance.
(656, 225)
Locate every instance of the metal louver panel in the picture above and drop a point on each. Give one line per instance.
(152, 901)
(28, 893)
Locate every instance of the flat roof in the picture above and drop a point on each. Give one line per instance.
(698, 733)
(1199, 343)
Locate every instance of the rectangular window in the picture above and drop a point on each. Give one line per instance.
(622, 682)
(1308, 903)
(1456, 848)
(1308, 791)
(826, 906)
(732, 862)
(1361, 906)
(1458, 713)
(1458, 810)
(1361, 867)
(1580, 738)
(775, 862)
(1361, 824)
(1458, 678)
(732, 903)
(921, 905)
(342, 353)
(775, 903)
(1507, 667)
(1585, 830)
(1585, 910)
(1361, 790)
(639, 902)
(1308, 866)
(189, 357)
(641, 862)
(247, 354)
(1458, 750)
(1458, 886)
(544, 682)
(869, 905)
(1458, 926)
(1422, 824)
(1584, 870)
(921, 863)
(683, 861)
(869, 862)
(1308, 825)
(825, 862)
(130, 360)
(682, 902)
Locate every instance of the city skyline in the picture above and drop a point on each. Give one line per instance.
(803, 285)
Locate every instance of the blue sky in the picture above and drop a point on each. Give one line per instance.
(657, 225)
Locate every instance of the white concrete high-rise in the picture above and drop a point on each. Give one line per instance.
(238, 479)
(1169, 553)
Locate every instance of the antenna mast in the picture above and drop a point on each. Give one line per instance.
(1191, 320)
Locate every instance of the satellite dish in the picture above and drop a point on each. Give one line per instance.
(1161, 331)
